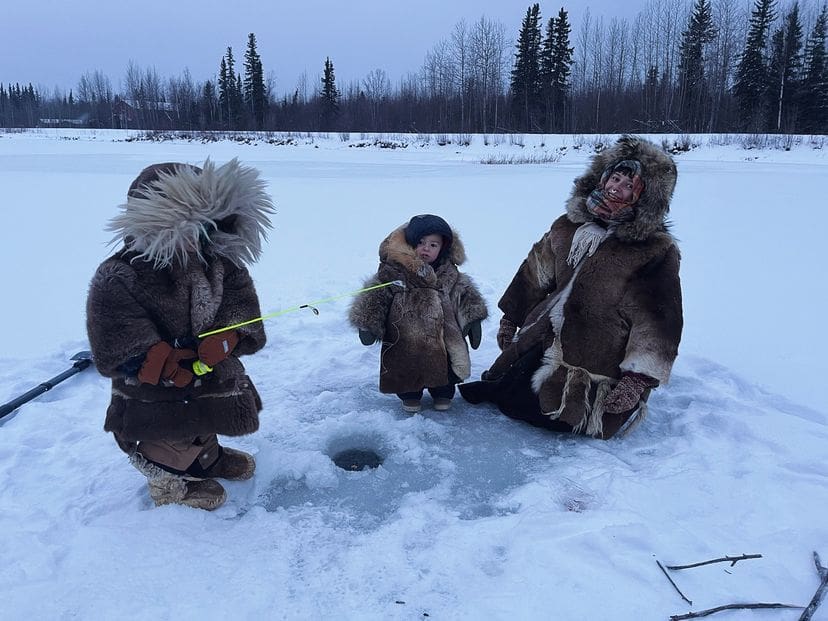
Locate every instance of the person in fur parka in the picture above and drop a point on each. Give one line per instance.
(422, 321)
(593, 317)
(187, 233)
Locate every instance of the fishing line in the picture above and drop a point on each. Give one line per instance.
(310, 305)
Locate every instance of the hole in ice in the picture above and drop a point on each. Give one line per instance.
(356, 459)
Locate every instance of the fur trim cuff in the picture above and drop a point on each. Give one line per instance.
(648, 364)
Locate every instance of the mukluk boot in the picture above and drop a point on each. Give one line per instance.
(169, 488)
(232, 465)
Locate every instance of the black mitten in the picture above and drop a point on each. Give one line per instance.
(474, 332)
(366, 338)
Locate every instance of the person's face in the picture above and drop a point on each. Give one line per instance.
(429, 248)
(619, 187)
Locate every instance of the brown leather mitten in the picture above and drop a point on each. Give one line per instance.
(150, 371)
(217, 347)
(173, 371)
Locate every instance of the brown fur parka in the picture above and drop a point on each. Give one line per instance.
(422, 323)
(583, 323)
(156, 288)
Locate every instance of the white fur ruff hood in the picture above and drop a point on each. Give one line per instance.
(174, 211)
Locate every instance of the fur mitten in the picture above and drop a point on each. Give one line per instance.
(506, 333)
(627, 392)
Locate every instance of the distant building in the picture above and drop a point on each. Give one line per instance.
(130, 114)
(79, 122)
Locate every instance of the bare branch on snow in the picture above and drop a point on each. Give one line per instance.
(725, 559)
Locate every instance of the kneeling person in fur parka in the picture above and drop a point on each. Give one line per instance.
(187, 233)
(597, 303)
(423, 324)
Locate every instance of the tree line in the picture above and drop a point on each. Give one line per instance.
(707, 66)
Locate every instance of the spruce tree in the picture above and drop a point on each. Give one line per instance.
(561, 69)
(209, 114)
(784, 71)
(238, 102)
(254, 88)
(813, 107)
(751, 86)
(526, 79)
(546, 71)
(328, 99)
(31, 106)
(15, 97)
(651, 95)
(693, 89)
(225, 92)
(230, 96)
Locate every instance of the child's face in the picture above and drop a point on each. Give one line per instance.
(619, 187)
(429, 248)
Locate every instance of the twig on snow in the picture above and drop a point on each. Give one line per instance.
(725, 559)
(678, 590)
(810, 609)
(710, 611)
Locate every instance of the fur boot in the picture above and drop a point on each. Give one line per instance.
(167, 488)
(232, 465)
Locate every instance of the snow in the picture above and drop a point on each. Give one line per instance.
(471, 515)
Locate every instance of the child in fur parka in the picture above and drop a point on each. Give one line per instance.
(187, 233)
(423, 323)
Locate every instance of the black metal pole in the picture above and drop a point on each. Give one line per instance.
(82, 360)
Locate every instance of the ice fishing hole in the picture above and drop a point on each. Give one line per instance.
(356, 451)
(356, 459)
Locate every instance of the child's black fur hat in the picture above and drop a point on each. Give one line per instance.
(428, 224)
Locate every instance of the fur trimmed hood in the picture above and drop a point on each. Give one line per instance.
(658, 174)
(396, 249)
(175, 210)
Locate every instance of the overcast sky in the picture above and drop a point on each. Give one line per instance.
(52, 43)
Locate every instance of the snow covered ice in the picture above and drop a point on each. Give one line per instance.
(471, 515)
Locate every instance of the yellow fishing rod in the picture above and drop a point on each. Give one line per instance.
(310, 305)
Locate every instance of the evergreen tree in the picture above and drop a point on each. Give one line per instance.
(17, 104)
(238, 102)
(785, 70)
(255, 99)
(561, 69)
(230, 98)
(813, 107)
(224, 93)
(209, 116)
(4, 108)
(328, 98)
(693, 89)
(526, 79)
(31, 106)
(546, 71)
(651, 99)
(751, 84)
